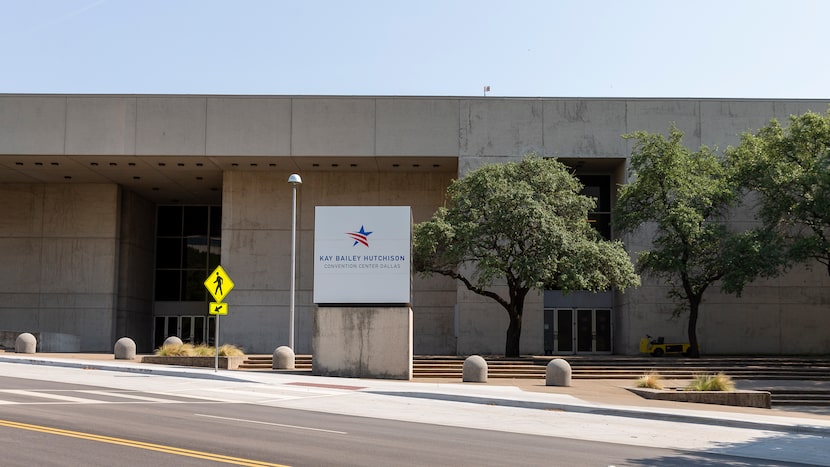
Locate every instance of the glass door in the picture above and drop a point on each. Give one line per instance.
(583, 330)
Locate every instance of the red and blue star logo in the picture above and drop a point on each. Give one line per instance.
(360, 237)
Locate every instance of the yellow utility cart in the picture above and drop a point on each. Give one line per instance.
(658, 347)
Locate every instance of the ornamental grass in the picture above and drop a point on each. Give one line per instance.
(650, 380)
(711, 382)
(201, 350)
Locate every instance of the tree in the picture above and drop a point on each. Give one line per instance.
(524, 224)
(790, 169)
(684, 197)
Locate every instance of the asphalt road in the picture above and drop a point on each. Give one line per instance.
(55, 424)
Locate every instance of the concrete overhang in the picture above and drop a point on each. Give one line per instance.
(193, 179)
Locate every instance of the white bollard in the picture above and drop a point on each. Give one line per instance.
(124, 349)
(25, 343)
(283, 358)
(558, 373)
(475, 370)
(172, 340)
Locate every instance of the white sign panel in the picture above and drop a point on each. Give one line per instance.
(362, 254)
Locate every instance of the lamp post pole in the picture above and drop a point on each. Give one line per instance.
(294, 180)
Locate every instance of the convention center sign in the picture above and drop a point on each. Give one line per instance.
(362, 255)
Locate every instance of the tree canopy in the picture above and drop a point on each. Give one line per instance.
(790, 169)
(685, 197)
(525, 225)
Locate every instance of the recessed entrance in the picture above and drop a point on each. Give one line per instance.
(578, 330)
(190, 329)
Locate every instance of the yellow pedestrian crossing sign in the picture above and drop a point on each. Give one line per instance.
(218, 308)
(218, 284)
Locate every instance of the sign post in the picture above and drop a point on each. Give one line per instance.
(218, 285)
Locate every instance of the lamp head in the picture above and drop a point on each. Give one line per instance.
(295, 179)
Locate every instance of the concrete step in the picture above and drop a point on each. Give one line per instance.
(265, 362)
(607, 368)
(625, 368)
(799, 402)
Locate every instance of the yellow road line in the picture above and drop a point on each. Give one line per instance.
(140, 445)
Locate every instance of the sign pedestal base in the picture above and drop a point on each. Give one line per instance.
(362, 342)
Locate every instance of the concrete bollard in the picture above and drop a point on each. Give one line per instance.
(283, 358)
(25, 343)
(558, 373)
(475, 370)
(124, 349)
(172, 340)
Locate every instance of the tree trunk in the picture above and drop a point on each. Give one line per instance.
(694, 308)
(514, 333)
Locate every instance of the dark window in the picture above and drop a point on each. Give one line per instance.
(603, 332)
(188, 245)
(193, 285)
(169, 253)
(584, 333)
(168, 284)
(215, 221)
(565, 330)
(169, 221)
(599, 188)
(196, 220)
(196, 253)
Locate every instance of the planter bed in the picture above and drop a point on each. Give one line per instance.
(738, 398)
(227, 363)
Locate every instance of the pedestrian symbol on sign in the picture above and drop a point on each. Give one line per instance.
(218, 284)
(218, 281)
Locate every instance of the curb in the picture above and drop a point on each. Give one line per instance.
(186, 372)
(86, 365)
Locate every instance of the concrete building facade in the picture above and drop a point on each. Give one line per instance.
(118, 206)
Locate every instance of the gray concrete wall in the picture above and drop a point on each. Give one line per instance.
(59, 245)
(134, 314)
(468, 128)
(228, 125)
(45, 341)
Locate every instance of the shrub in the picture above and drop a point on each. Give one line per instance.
(176, 350)
(650, 380)
(230, 350)
(711, 382)
(202, 350)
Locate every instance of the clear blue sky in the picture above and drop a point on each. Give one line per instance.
(590, 48)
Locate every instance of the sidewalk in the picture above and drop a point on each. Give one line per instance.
(603, 397)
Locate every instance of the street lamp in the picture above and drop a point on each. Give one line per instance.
(294, 180)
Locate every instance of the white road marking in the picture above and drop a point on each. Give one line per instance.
(272, 424)
(49, 397)
(130, 396)
(46, 395)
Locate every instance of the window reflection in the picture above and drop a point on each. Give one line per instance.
(188, 245)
